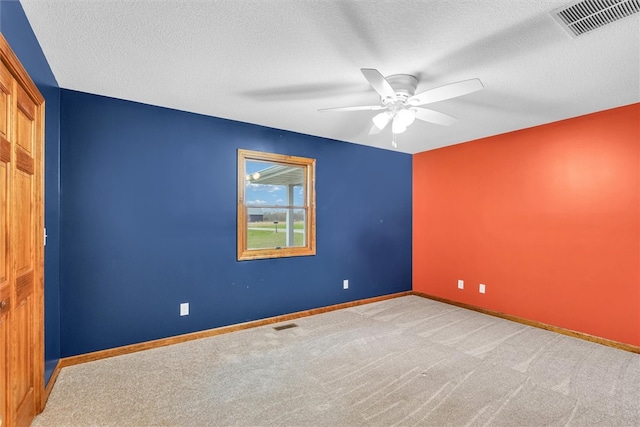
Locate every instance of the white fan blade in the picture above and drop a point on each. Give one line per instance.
(379, 83)
(446, 92)
(434, 117)
(357, 108)
(374, 130)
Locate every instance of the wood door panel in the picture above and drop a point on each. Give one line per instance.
(5, 90)
(23, 187)
(24, 162)
(23, 223)
(4, 342)
(22, 367)
(4, 223)
(26, 104)
(24, 286)
(4, 110)
(6, 79)
(25, 120)
(5, 150)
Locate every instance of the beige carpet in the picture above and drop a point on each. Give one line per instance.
(405, 361)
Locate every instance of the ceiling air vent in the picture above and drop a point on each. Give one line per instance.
(583, 16)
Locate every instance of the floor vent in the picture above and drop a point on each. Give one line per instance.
(287, 326)
(583, 16)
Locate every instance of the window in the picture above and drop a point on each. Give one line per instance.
(276, 205)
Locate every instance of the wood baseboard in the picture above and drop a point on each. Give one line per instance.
(118, 351)
(49, 387)
(552, 328)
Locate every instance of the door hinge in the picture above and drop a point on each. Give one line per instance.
(45, 236)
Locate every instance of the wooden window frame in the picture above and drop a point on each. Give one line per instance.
(308, 165)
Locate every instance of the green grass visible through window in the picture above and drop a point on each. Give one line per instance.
(263, 239)
(299, 225)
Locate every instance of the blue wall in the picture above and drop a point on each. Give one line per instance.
(149, 202)
(17, 31)
(149, 219)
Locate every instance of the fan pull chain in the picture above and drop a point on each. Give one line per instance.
(393, 142)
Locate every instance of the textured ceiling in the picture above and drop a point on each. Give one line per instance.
(275, 63)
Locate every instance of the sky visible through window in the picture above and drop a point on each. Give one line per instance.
(258, 195)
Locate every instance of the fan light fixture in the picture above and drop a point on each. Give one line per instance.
(381, 120)
(402, 119)
(401, 105)
(397, 126)
(406, 116)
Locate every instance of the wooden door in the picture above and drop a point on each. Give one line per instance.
(5, 157)
(21, 268)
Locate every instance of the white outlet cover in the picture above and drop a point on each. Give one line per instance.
(482, 288)
(345, 284)
(460, 284)
(184, 309)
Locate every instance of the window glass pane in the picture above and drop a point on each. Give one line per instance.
(270, 228)
(269, 184)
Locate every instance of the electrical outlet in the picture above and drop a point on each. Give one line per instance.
(460, 284)
(345, 284)
(184, 309)
(482, 288)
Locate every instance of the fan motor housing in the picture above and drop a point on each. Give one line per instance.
(404, 85)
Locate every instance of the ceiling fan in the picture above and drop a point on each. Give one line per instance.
(400, 104)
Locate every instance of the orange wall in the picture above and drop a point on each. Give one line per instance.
(547, 217)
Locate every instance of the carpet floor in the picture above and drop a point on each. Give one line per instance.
(404, 361)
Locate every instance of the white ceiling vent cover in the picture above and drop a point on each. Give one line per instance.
(583, 16)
